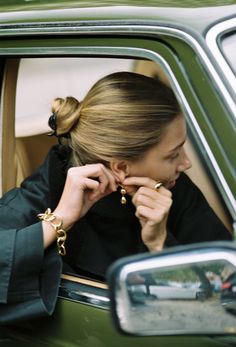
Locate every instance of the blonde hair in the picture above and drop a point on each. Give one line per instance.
(122, 116)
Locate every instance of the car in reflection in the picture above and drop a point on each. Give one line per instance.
(174, 291)
(142, 294)
(51, 48)
(170, 290)
(228, 293)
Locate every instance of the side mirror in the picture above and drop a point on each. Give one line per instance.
(183, 290)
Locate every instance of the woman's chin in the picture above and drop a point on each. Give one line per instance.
(171, 184)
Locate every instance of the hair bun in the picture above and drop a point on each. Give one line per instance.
(68, 113)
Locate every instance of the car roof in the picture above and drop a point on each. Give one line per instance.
(192, 14)
(36, 4)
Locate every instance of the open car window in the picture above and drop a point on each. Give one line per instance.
(40, 80)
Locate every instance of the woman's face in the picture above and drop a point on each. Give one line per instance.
(165, 161)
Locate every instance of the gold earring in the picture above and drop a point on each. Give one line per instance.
(123, 199)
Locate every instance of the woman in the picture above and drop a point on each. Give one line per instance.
(115, 187)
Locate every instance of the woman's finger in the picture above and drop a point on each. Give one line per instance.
(96, 171)
(106, 179)
(161, 193)
(144, 185)
(91, 186)
(154, 216)
(152, 202)
(140, 182)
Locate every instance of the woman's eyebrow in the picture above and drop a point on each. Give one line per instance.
(177, 147)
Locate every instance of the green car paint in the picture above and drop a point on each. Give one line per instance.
(132, 28)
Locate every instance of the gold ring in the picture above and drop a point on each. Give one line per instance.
(157, 185)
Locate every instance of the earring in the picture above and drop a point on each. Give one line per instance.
(123, 198)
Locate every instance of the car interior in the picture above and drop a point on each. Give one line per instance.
(30, 84)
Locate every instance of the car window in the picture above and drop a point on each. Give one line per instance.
(228, 48)
(40, 80)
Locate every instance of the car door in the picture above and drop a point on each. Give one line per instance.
(82, 316)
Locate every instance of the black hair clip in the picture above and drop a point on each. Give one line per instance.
(52, 122)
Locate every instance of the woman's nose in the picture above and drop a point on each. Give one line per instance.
(185, 163)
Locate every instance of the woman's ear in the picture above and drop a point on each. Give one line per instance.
(120, 169)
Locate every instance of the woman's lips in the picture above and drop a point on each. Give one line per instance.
(171, 184)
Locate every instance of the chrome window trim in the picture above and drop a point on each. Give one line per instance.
(87, 298)
(202, 255)
(1, 139)
(86, 294)
(212, 37)
(154, 31)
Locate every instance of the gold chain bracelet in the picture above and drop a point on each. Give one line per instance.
(49, 217)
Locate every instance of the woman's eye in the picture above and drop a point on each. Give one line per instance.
(173, 157)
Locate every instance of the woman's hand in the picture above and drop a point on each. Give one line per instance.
(152, 209)
(84, 186)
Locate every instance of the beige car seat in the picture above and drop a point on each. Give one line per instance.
(7, 126)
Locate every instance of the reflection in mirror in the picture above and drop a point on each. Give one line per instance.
(191, 298)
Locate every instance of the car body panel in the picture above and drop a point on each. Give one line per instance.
(76, 324)
(175, 39)
(39, 12)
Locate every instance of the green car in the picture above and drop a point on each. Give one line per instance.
(56, 48)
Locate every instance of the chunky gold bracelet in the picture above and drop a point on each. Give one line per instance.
(49, 217)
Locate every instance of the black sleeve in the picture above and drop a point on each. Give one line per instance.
(191, 219)
(29, 276)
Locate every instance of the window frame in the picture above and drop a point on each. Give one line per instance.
(214, 37)
(75, 46)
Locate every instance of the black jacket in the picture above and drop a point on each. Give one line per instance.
(29, 277)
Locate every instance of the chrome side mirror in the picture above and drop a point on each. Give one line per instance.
(186, 290)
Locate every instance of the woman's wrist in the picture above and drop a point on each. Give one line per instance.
(157, 244)
(53, 230)
(155, 247)
(67, 222)
(49, 235)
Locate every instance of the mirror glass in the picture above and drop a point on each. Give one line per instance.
(191, 298)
